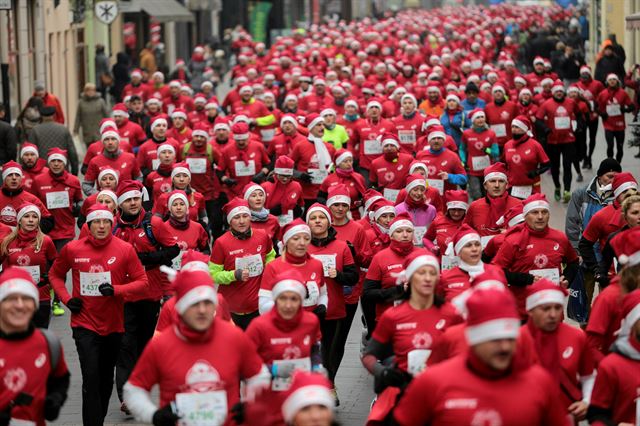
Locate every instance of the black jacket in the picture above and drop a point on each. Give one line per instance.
(8, 142)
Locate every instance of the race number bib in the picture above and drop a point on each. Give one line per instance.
(522, 192)
(202, 409)
(20, 422)
(253, 263)
(437, 184)
(267, 134)
(313, 294)
(283, 219)
(318, 175)
(562, 123)
(476, 64)
(552, 274)
(34, 271)
(155, 163)
(197, 165)
(480, 163)
(57, 200)
(613, 110)
(328, 262)
(417, 361)
(499, 129)
(418, 234)
(176, 263)
(449, 262)
(280, 384)
(90, 281)
(391, 194)
(372, 147)
(485, 240)
(243, 168)
(407, 137)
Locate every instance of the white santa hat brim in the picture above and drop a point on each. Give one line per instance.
(400, 224)
(108, 172)
(338, 199)
(31, 149)
(100, 214)
(345, 155)
(238, 211)
(436, 134)
(28, 209)
(545, 297)
(519, 124)
(457, 205)
(288, 285)
(57, 157)
(175, 197)
(466, 240)
(289, 119)
(315, 122)
(533, 205)
(179, 114)
(623, 187)
(373, 104)
(129, 194)
(495, 175)
(305, 396)
(419, 262)
(179, 170)
(501, 328)
(11, 170)
(416, 183)
(201, 133)
(157, 122)
(298, 229)
(196, 295)
(109, 194)
(110, 134)
(254, 187)
(383, 210)
(19, 286)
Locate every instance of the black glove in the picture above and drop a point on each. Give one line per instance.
(305, 177)
(230, 182)
(5, 418)
(259, 178)
(276, 210)
(52, 405)
(237, 413)
(75, 305)
(604, 115)
(602, 279)
(237, 274)
(392, 376)
(106, 289)
(44, 280)
(531, 174)
(320, 311)
(629, 108)
(165, 417)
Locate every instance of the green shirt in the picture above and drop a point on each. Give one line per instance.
(338, 137)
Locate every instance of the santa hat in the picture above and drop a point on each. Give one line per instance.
(313, 120)
(370, 197)
(409, 96)
(436, 132)
(327, 111)
(622, 182)
(289, 118)
(352, 103)
(512, 217)
(522, 122)
(193, 260)
(245, 88)
(16, 280)
(106, 123)
(338, 194)
(535, 201)
(250, 187)
(289, 280)
(456, 199)
(290, 97)
(464, 236)
(495, 171)
(417, 165)
(120, 110)
(200, 129)
(154, 101)
(319, 81)
(129, 189)
(211, 104)
(452, 97)
(317, 207)
(110, 134)
(374, 103)
(29, 147)
(191, 287)
(498, 88)
(28, 208)
(585, 69)
(381, 207)
(177, 195)
(630, 314)
(136, 73)
(284, 166)
(343, 154)
(476, 113)
(524, 91)
(236, 207)
(403, 220)
(157, 121)
(294, 227)
(626, 246)
(488, 279)
(491, 315)
(520, 79)
(109, 194)
(557, 87)
(57, 154)
(390, 139)
(199, 99)
(307, 389)
(413, 181)
(221, 123)
(165, 147)
(612, 76)
(179, 113)
(538, 60)
(111, 172)
(240, 131)
(419, 258)
(99, 211)
(543, 292)
(546, 82)
(11, 167)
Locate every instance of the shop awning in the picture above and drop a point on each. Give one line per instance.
(633, 21)
(161, 10)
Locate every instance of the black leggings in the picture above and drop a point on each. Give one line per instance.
(244, 320)
(581, 150)
(568, 152)
(618, 135)
(333, 348)
(593, 131)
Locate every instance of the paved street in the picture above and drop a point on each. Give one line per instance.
(353, 382)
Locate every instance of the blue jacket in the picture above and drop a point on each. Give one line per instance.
(584, 204)
(456, 125)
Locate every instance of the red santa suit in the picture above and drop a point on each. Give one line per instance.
(366, 138)
(612, 104)
(499, 118)
(523, 156)
(307, 159)
(242, 164)
(558, 116)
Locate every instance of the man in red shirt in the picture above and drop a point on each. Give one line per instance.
(176, 99)
(613, 103)
(590, 90)
(147, 156)
(500, 113)
(409, 124)
(13, 196)
(209, 358)
(23, 350)
(105, 273)
(129, 131)
(561, 348)
(179, 129)
(444, 169)
(487, 385)
(283, 143)
(478, 147)
(32, 165)
(318, 100)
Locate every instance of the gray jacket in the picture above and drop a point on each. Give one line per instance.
(50, 134)
(88, 115)
(584, 203)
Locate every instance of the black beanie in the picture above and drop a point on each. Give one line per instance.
(609, 165)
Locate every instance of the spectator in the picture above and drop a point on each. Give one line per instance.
(609, 62)
(49, 100)
(569, 65)
(148, 59)
(104, 78)
(50, 134)
(29, 118)
(8, 139)
(120, 71)
(91, 110)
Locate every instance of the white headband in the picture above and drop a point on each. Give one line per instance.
(544, 297)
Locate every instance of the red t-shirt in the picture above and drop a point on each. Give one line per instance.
(193, 237)
(616, 387)
(59, 197)
(306, 160)
(522, 158)
(271, 227)
(409, 130)
(366, 139)
(444, 161)
(202, 169)
(131, 133)
(353, 232)
(604, 223)
(479, 212)
(558, 117)
(390, 174)
(97, 147)
(242, 164)
(384, 268)
(312, 273)
(476, 143)
(24, 256)
(456, 281)
(148, 153)
(604, 320)
(499, 118)
(125, 165)
(196, 205)
(168, 314)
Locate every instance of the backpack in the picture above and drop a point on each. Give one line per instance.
(146, 225)
(55, 347)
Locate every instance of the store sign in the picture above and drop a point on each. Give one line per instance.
(106, 11)
(5, 4)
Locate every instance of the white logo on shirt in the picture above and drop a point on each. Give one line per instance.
(486, 418)
(15, 379)
(39, 362)
(567, 352)
(110, 261)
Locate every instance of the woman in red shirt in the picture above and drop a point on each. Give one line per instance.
(107, 180)
(260, 216)
(378, 234)
(409, 330)
(346, 175)
(28, 248)
(189, 234)
(445, 225)
(181, 180)
(287, 338)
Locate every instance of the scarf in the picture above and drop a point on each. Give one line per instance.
(164, 169)
(401, 248)
(189, 334)
(325, 241)
(243, 154)
(526, 233)
(324, 158)
(520, 139)
(179, 224)
(259, 216)
(65, 179)
(295, 260)
(282, 324)
(282, 195)
(382, 234)
(351, 117)
(241, 235)
(391, 157)
(409, 116)
(480, 368)
(130, 220)
(415, 205)
(498, 207)
(349, 175)
(98, 243)
(472, 270)
(25, 239)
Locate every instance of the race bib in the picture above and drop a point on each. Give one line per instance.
(372, 147)
(155, 163)
(499, 129)
(57, 200)
(318, 175)
(485, 240)
(90, 281)
(197, 165)
(449, 262)
(407, 137)
(613, 110)
(253, 263)
(280, 384)
(328, 262)
(202, 409)
(34, 271)
(476, 64)
(176, 263)
(552, 274)
(417, 361)
(391, 194)
(267, 134)
(592, 105)
(522, 192)
(562, 123)
(480, 163)
(245, 168)
(20, 422)
(418, 234)
(313, 294)
(437, 184)
(284, 219)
